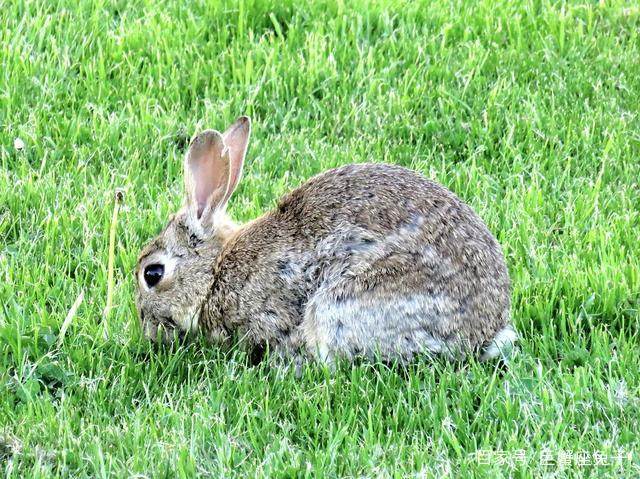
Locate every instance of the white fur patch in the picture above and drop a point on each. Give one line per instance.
(404, 326)
(188, 320)
(323, 353)
(203, 227)
(193, 223)
(501, 345)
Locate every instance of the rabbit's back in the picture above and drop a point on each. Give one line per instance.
(366, 259)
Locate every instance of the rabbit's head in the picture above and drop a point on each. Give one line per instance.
(175, 270)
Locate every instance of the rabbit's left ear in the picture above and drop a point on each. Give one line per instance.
(236, 139)
(206, 174)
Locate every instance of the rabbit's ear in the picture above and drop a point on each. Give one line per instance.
(236, 139)
(206, 174)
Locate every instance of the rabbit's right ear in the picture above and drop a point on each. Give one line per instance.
(206, 176)
(236, 138)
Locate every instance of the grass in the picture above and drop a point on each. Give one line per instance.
(527, 110)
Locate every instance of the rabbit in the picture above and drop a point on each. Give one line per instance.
(362, 261)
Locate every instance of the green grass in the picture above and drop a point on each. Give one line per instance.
(527, 110)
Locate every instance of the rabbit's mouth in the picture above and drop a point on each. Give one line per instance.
(161, 329)
(167, 328)
(167, 322)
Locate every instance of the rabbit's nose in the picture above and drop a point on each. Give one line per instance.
(153, 274)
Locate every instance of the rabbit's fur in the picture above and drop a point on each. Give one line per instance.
(361, 260)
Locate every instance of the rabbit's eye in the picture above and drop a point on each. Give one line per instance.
(153, 274)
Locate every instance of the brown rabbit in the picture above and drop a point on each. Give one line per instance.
(362, 260)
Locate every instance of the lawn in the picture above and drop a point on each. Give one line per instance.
(528, 110)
